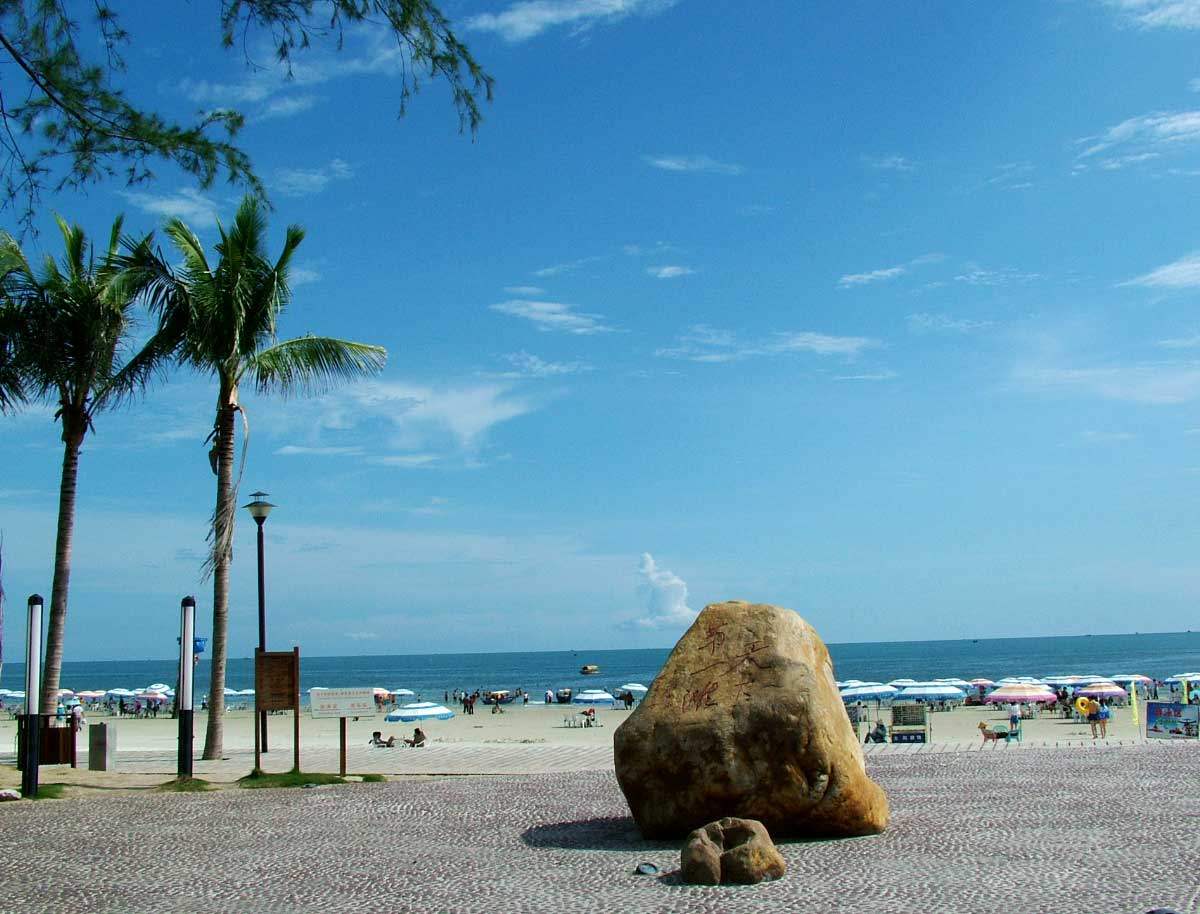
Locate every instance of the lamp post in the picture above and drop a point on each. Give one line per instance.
(33, 694)
(259, 509)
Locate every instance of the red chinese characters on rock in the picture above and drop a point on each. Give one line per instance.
(728, 667)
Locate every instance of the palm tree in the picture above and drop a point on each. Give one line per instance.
(63, 335)
(225, 318)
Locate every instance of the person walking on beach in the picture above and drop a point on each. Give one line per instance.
(1093, 715)
(1102, 717)
(1014, 717)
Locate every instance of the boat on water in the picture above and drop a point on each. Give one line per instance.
(589, 669)
(563, 696)
(499, 697)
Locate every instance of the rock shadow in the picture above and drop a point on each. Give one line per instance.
(612, 833)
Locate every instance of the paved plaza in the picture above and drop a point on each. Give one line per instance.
(1031, 830)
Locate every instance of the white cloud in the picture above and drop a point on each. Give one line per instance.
(193, 207)
(529, 18)
(1116, 163)
(890, 163)
(296, 450)
(549, 315)
(850, 280)
(886, 375)
(1150, 383)
(669, 272)
(665, 596)
(1145, 135)
(405, 461)
(203, 92)
(1183, 273)
(705, 344)
(1169, 14)
(524, 290)
(1182, 342)
(943, 323)
(693, 163)
(361, 636)
(303, 276)
(527, 365)
(559, 268)
(975, 275)
(303, 182)
(287, 107)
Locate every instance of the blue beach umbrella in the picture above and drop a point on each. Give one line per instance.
(593, 697)
(931, 691)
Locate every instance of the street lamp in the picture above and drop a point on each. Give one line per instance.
(259, 509)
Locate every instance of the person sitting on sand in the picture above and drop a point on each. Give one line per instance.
(378, 740)
(418, 739)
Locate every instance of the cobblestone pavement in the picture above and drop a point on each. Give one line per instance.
(1063, 831)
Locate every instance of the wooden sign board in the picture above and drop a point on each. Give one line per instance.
(277, 680)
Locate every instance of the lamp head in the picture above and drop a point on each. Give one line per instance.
(260, 507)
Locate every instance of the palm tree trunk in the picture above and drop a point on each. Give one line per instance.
(222, 555)
(73, 432)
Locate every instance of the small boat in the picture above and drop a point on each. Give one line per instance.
(563, 696)
(589, 669)
(499, 697)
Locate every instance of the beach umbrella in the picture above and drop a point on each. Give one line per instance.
(901, 683)
(1129, 677)
(981, 682)
(1103, 690)
(157, 687)
(593, 697)
(868, 693)
(1021, 692)
(957, 683)
(931, 691)
(120, 693)
(15, 695)
(242, 692)
(633, 687)
(404, 693)
(379, 691)
(1069, 680)
(1180, 677)
(421, 710)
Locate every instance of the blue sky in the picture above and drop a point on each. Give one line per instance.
(882, 312)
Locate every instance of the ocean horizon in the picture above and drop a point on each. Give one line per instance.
(1155, 654)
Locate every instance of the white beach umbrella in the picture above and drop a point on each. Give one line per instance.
(868, 693)
(1129, 677)
(421, 710)
(157, 687)
(246, 692)
(593, 697)
(1180, 677)
(633, 687)
(229, 691)
(931, 691)
(980, 681)
(404, 693)
(957, 683)
(901, 683)
(120, 693)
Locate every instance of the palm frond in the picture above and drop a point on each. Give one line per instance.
(312, 364)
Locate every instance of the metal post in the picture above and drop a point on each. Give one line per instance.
(33, 693)
(262, 618)
(183, 698)
(296, 712)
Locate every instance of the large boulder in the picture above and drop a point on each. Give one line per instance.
(745, 720)
(737, 851)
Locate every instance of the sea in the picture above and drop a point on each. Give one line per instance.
(1158, 655)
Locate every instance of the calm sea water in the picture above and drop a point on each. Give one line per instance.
(1157, 655)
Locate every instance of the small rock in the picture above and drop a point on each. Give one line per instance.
(646, 869)
(730, 851)
(9, 795)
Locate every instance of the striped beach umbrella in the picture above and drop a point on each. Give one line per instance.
(1103, 690)
(930, 691)
(593, 697)
(1021, 692)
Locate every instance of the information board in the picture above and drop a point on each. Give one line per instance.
(277, 680)
(1171, 720)
(342, 703)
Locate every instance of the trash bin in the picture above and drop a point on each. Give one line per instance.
(102, 747)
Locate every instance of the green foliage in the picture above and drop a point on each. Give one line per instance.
(65, 121)
(50, 791)
(260, 779)
(373, 779)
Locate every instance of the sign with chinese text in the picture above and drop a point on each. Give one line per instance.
(342, 703)
(1170, 720)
